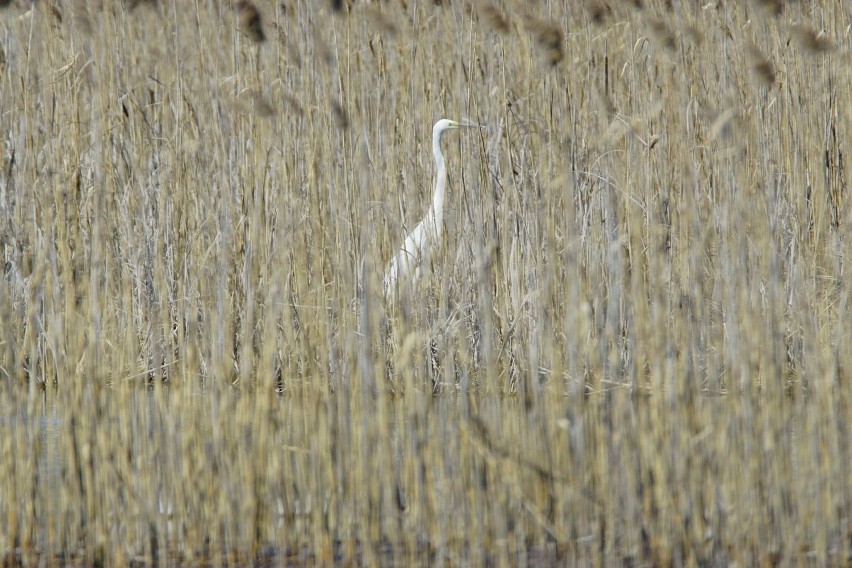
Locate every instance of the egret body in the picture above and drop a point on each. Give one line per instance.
(427, 234)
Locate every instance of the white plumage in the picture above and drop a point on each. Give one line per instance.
(417, 244)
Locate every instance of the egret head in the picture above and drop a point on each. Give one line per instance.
(446, 124)
(443, 125)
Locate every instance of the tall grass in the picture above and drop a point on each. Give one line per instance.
(630, 347)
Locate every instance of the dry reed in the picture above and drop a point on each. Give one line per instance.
(631, 347)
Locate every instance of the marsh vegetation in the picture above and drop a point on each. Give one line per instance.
(630, 348)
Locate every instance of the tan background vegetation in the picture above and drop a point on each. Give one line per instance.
(630, 347)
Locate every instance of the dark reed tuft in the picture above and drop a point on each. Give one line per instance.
(663, 33)
(133, 4)
(772, 7)
(494, 18)
(817, 42)
(549, 38)
(599, 12)
(251, 22)
(762, 66)
(341, 119)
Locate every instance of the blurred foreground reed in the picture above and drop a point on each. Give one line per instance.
(631, 347)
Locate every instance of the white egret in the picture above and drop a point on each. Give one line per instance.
(427, 234)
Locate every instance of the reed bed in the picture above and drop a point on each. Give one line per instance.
(630, 347)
